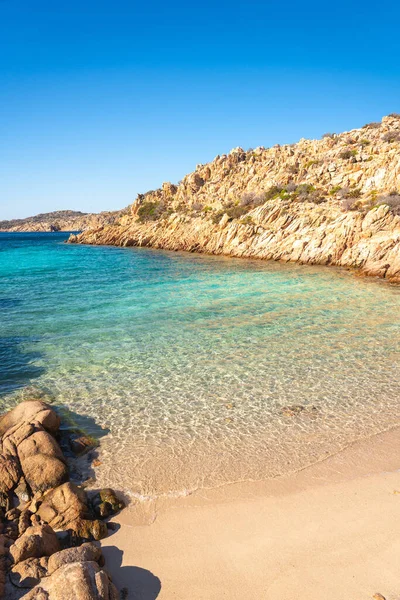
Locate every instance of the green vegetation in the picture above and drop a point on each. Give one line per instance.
(346, 154)
(310, 163)
(392, 200)
(247, 220)
(153, 211)
(354, 193)
(334, 190)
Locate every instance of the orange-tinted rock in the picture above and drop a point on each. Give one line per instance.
(37, 541)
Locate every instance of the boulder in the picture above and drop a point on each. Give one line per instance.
(105, 503)
(31, 411)
(40, 442)
(62, 505)
(37, 541)
(88, 529)
(10, 473)
(29, 572)
(86, 552)
(43, 472)
(80, 444)
(75, 581)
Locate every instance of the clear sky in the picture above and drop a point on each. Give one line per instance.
(101, 100)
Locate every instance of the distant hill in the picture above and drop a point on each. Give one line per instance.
(62, 220)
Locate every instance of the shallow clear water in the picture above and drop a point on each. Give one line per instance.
(189, 360)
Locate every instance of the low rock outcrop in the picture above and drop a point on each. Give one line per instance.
(47, 524)
(334, 201)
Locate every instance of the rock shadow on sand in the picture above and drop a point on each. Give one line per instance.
(133, 583)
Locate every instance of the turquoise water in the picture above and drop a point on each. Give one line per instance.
(190, 360)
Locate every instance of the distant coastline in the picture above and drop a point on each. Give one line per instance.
(60, 220)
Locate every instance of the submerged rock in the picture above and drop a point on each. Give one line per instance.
(298, 409)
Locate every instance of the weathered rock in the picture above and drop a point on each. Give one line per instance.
(312, 228)
(75, 581)
(88, 529)
(61, 506)
(55, 565)
(82, 444)
(106, 503)
(43, 472)
(24, 521)
(13, 514)
(34, 411)
(84, 553)
(40, 442)
(293, 410)
(28, 573)
(37, 541)
(10, 472)
(22, 491)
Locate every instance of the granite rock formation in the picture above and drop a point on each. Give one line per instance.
(47, 524)
(334, 201)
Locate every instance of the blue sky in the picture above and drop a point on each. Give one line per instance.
(102, 100)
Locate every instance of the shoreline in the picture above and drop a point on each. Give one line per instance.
(323, 532)
(355, 271)
(362, 458)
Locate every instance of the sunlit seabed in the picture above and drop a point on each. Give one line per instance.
(189, 359)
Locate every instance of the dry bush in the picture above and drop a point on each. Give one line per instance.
(348, 204)
(391, 136)
(252, 199)
(373, 125)
(392, 200)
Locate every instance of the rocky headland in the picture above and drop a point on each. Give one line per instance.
(62, 220)
(333, 201)
(49, 525)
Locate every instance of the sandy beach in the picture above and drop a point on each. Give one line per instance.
(330, 532)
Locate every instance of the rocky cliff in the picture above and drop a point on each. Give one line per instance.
(329, 201)
(62, 220)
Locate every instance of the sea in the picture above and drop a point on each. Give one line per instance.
(196, 371)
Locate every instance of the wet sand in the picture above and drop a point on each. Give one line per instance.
(329, 532)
